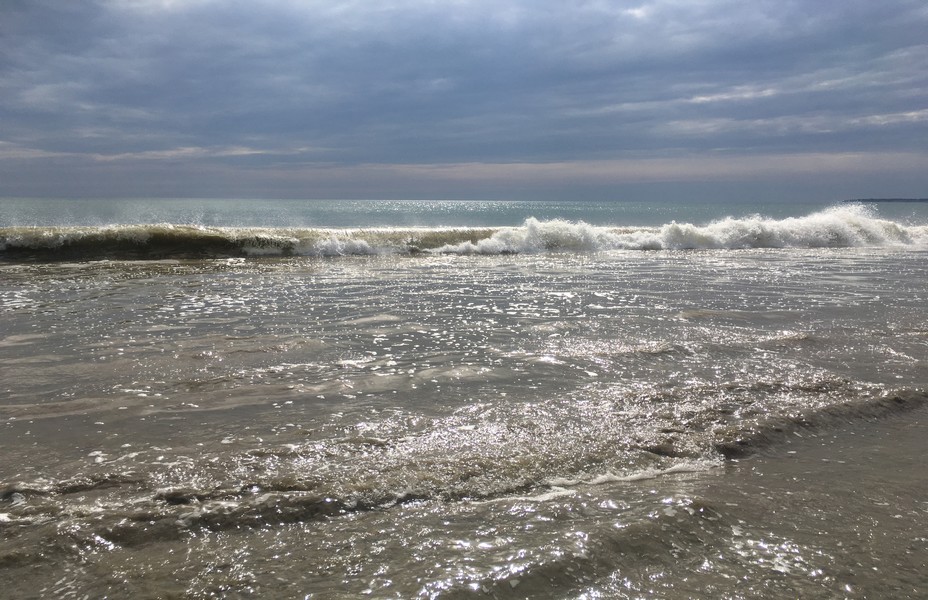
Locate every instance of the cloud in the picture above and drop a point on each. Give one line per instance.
(687, 168)
(11, 151)
(420, 83)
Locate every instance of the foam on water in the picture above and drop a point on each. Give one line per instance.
(838, 227)
(548, 424)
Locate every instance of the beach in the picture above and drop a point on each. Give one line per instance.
(561, 400)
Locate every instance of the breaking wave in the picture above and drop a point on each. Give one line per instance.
(838, 227)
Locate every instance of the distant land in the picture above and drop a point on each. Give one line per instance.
(886, 200)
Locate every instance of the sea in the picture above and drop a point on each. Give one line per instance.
(248, 398)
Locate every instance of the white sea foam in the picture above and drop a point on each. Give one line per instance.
(539, 236)
(837, 227)
(554, 493)
(686, 466)
(335, 246)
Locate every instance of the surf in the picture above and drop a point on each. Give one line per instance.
(847, 226)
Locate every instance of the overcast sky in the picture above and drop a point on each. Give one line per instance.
(702, 99)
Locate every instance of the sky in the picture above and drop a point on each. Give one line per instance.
(483, 99)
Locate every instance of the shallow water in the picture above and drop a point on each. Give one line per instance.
(566, 422)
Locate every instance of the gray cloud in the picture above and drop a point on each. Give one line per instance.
(118, 91)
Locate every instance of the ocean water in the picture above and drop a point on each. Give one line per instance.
(292, 399)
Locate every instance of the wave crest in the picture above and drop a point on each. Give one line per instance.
(838, 227)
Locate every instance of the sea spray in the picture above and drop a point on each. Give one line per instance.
(844, 226)
(837, 227)
(580, 410)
